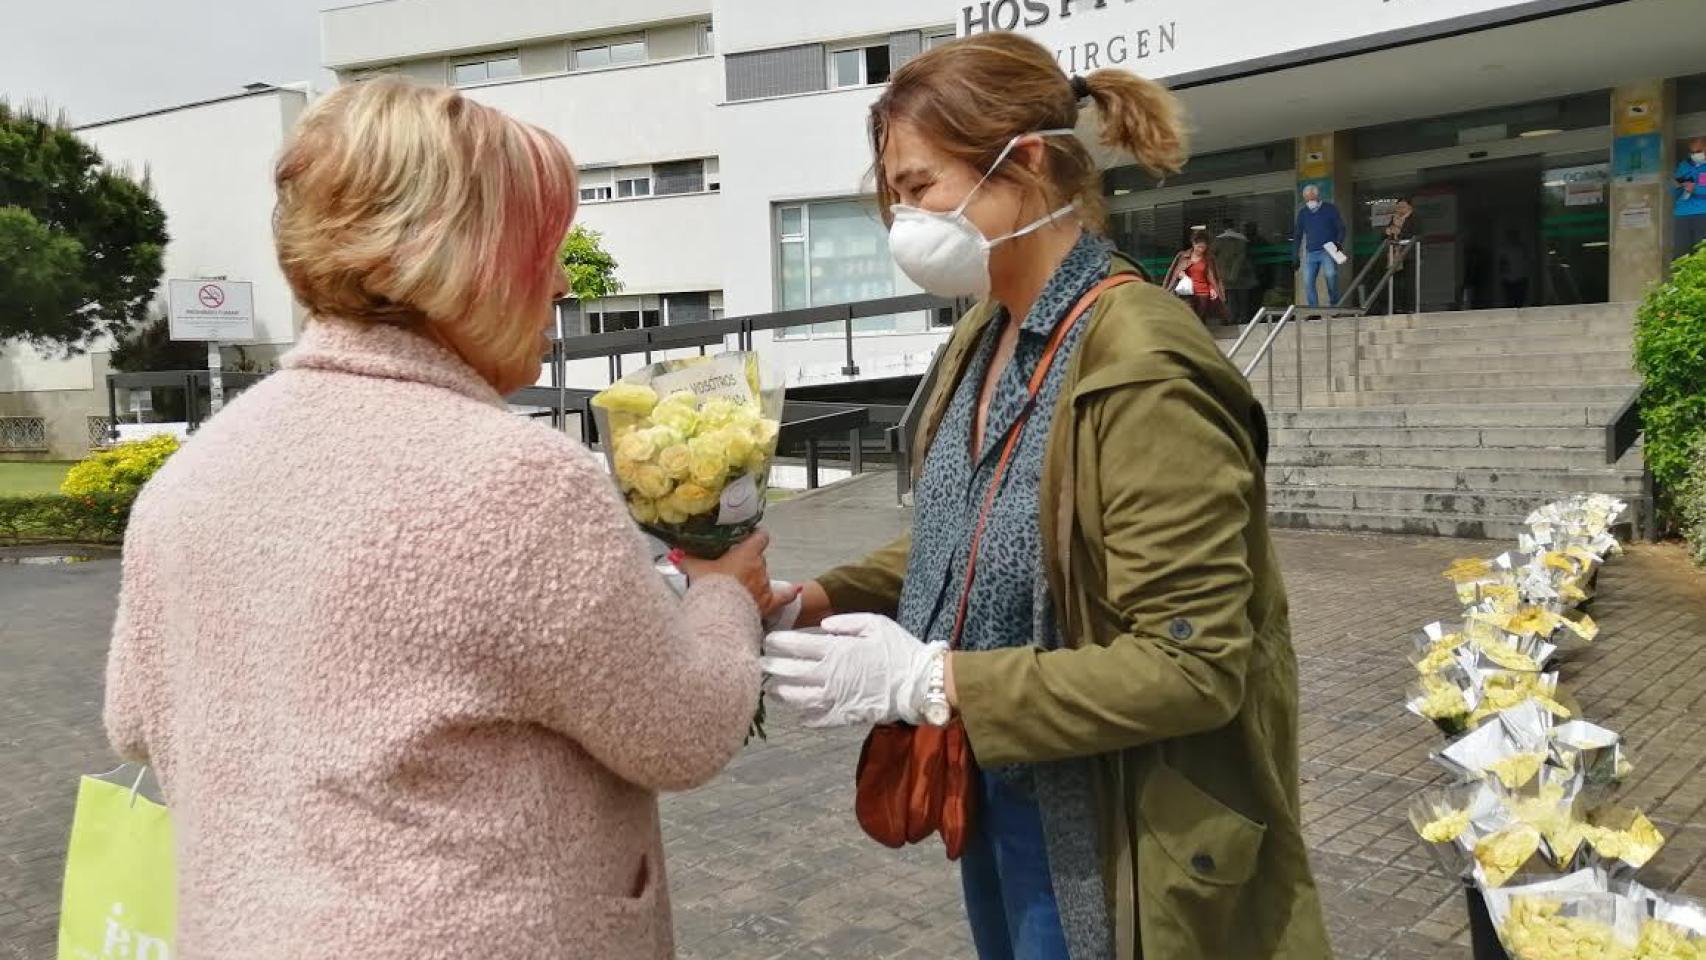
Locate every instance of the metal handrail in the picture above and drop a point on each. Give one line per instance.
(1356, 284)
(1267, 344)
(1249, 328)
(1625, 427)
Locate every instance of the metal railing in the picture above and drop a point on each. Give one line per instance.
(194, 383)
(23, 434)
(1621, 434)
(1409, 252)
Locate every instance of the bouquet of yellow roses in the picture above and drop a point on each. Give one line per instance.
(690, 444)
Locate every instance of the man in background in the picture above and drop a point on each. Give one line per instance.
(1322, 232)
(1690, 207)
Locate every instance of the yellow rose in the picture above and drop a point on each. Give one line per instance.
(758, 464)
(710, 458)
(676, 461)
(1448, 826)
(635, 446)
(1517, 769)
(737, 445)
(650, 481)
(694, 499)
(669, 513)
(1504, 853)
(633, 398)
(764, 433)
(642, 509)
(718, 412)
(1537, 929)
(679, 412)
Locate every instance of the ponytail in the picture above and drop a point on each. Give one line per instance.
(1141, 117)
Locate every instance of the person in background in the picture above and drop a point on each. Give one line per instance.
(1319, 224)
(1400, 234)
(1194, 269)
(1121, 658)
(1231, 251)
(428, 712)
(1513, 270)
(1690, 207)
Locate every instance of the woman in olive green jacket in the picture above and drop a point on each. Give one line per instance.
(1155, 713)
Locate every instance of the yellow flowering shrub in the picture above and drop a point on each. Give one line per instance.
(121, 470)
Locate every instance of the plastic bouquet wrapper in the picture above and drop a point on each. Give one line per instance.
(1445, 697)
(1477, 645)
(1510, 751)
(1585, 518)
(1477, 580)
(1553, 622)
(677, 582)
(1623, 839)
(1588, 915)
(1590, 750)
(1551, 576)
(690, 444)
(1502, 690)
(1562, 924)
(1446, 819)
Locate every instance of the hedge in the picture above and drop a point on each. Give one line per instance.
(1670, 352)
(88, 518)
(1690, 500)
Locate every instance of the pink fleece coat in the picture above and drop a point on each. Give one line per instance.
(407, 675)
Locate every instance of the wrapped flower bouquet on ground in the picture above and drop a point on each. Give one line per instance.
(690, 444)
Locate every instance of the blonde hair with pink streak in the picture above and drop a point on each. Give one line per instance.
(412, 205)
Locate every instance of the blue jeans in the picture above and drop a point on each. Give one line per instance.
(1009, 894)
(1316, 262)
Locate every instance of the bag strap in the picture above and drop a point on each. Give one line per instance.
(1018, 428)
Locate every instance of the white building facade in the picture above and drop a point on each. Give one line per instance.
(724, 153)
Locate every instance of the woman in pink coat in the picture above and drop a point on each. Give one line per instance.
(401, 662)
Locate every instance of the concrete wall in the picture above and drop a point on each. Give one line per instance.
(761, 24)
(388, 31)
(78, 391)
(639, 114)
(662, 244)
(1641, 210)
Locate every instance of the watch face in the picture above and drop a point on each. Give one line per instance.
(936, 713)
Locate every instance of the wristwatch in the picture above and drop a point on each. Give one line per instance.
(936, 710)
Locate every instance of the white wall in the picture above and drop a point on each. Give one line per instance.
(211, 169)
(638, 114)
(761, 24)
(22, 369)
(662, 244)
(389, 30)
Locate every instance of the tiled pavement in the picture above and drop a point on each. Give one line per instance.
(767, 861)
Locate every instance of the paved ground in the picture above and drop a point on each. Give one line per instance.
(767, 862)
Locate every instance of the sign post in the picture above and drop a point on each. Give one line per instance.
(214, 311)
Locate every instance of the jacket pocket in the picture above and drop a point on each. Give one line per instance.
(1195, 857)
(636, 925)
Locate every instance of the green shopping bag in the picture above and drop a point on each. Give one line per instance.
(120, 897)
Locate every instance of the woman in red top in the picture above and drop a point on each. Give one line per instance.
(1207, 295)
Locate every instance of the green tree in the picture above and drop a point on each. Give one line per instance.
(592, 271)
(81, 245)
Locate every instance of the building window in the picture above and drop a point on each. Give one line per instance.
(491, 66)
(633, 182)
(859, 66)
(713, 175)
(610, 314)
(680, 308)
(687, 176)
(610, 52)
(837, 251)
(707, 41)
(936, 38)
(596, 186)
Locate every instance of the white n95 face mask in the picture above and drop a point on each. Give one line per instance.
(945, 253)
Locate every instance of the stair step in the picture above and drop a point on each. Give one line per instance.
(1447, 415)
(1620, 376)
(1594, 394)
(1443, 319)
(1463, 479)
(1505, 530)
(1582, 437)
(1486, 348)
(1559, 366)
(1505, 505)
(1488, 458)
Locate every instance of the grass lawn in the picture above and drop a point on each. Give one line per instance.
(21, 479)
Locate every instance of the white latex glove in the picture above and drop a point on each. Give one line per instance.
(785, 616)
(862, 668)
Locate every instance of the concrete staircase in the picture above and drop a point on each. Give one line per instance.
(1445, 424)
